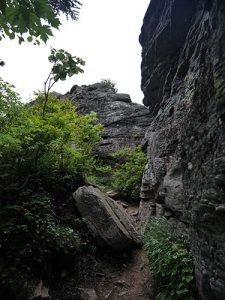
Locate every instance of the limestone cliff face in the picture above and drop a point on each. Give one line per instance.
(124, 122)
(183, 67)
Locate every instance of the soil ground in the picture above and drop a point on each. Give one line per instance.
(130, 282)
(112, 275)
(122, 276)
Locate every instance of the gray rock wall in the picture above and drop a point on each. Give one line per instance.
(124, 122)
(183, 64)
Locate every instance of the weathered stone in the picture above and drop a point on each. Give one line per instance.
(183, 82)
(108, 294)
(86, 294)
(124, 205)
(105, 219)
(41, 291)
(112, 194)
(124, 122)
(134, 214)
(159, 210)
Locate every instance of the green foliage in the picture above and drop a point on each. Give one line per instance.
(32, 18)
(124, 176)
(64, 64)
(127, 174)
(109, 83)
(68, 7)
(31, 143)
(170, 262)
(10, 105)
(41, 161)
(30, 233)
(101, 177)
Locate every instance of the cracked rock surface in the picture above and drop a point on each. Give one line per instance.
(124, 122)
(183, 67)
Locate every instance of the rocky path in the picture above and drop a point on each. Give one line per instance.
(107, 274)
(115, 276)
(131, 282)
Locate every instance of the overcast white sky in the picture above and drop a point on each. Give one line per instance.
(105, 36)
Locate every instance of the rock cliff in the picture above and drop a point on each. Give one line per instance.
(183, 64)
(124, 122)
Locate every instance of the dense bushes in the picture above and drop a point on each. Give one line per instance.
(41, 160)
(56, 145)
(101, 177)
(170, 262)
(124, 175)
(128, 172)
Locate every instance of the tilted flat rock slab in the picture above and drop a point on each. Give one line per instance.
(105, 218)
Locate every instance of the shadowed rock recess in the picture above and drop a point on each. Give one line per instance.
(183, 67)
(124, 122)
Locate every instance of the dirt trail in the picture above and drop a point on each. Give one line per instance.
(114, 275)
(122, 276)
(131, 282)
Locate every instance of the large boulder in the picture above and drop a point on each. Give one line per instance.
(105, 219)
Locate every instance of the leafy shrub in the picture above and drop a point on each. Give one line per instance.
(109, 83)
(30, 233)
(127, 174)
(170, 262)
(41, 160)
(60, 143)
(101, 177)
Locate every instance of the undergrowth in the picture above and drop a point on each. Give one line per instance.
(127, 174)
(170, 262)
(43, 158)
(101, 177)
(124, 176)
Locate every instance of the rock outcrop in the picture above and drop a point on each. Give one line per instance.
(124, 122)
(105, 219)
(183, 64)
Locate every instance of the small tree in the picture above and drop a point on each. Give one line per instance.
(64, 64)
